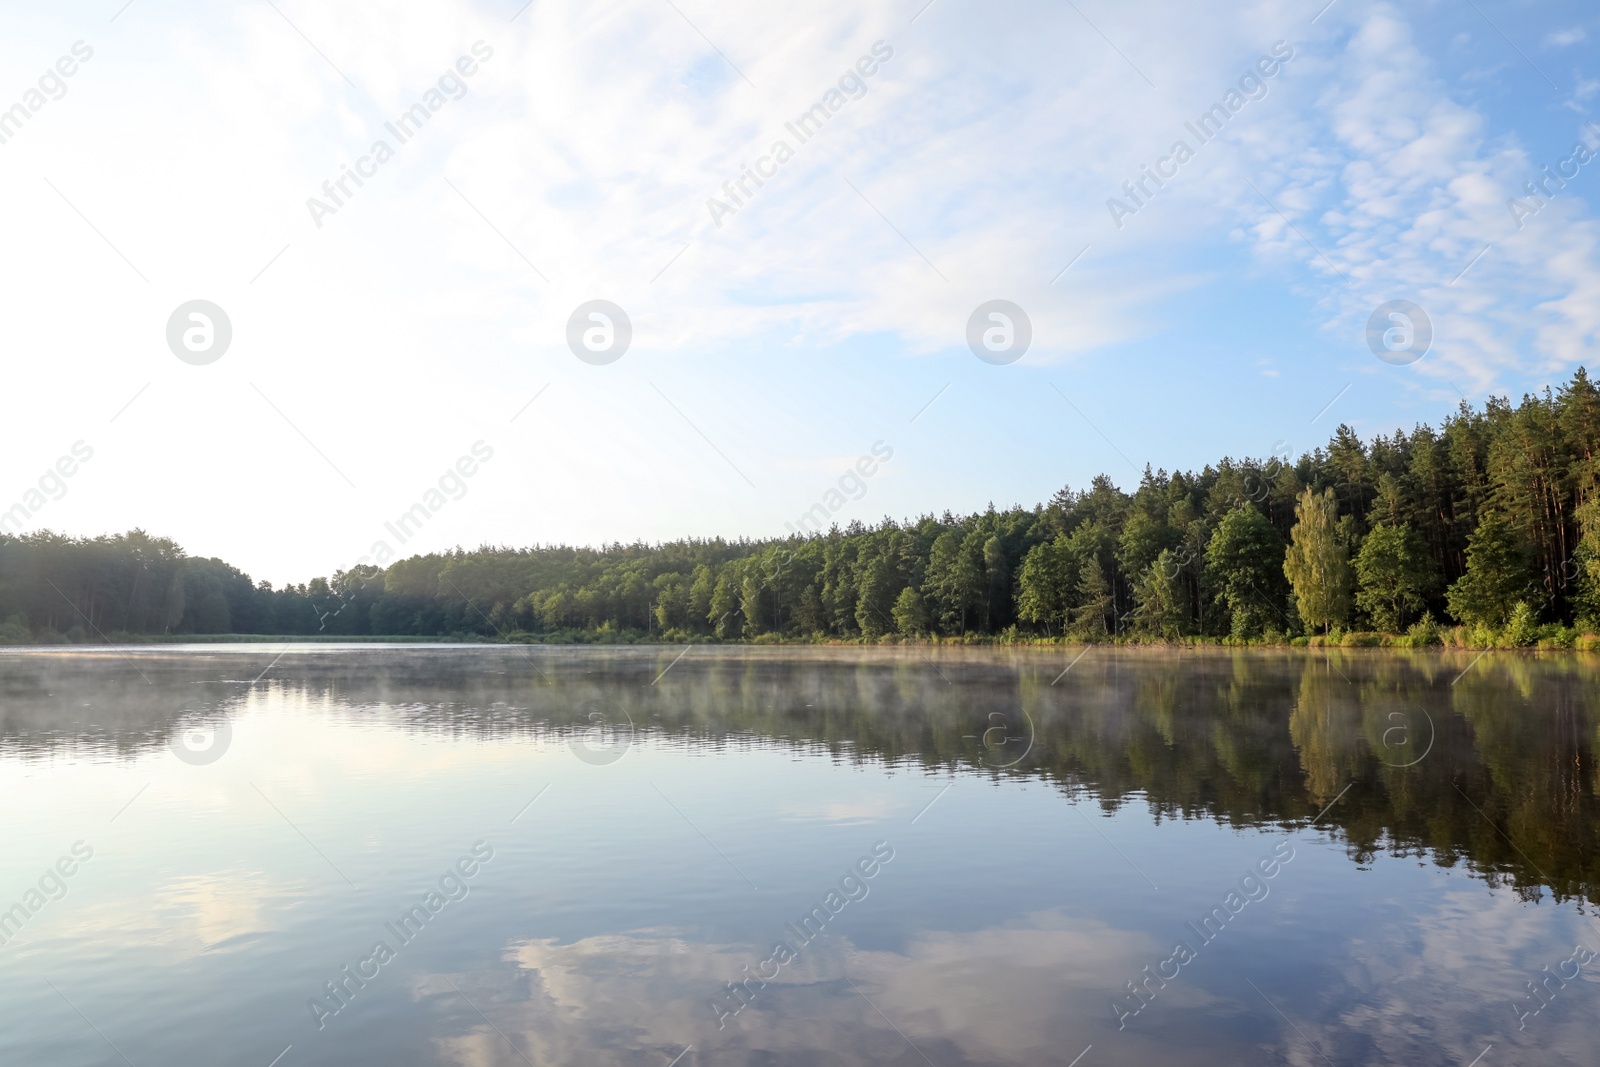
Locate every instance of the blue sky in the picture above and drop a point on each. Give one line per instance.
(371, 351)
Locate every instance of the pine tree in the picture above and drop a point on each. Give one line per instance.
(723, 613)
(954, 579)
(1094, 600)
(1159, 600)
(876, 598)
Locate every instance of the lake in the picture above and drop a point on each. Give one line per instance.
(493, 856)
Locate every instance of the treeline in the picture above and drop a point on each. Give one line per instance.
(1491, 521)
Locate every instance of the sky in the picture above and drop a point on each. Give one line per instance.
(386, 338)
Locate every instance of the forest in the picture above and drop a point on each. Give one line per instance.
(1484, 531)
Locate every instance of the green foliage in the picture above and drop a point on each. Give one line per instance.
(910, 614)
(1522, 629)
(1498, 575)
(955, 580)
(1048, 572)
(725, 616)
(1317, 564)
(1394, 574)
(672, 601)
(1424, 632)
(752, 596)
(1160, 607)
(14, 631)
(1244, 563)
(1554, 635)
(1143, 540)
(997, 583)
(1582, 574)
(1094, 600)
(876, 600)
(698, 611)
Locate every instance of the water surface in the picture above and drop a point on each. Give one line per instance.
(498, 856)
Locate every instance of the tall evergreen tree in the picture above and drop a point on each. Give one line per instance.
(1094, 600)
(1158, 596)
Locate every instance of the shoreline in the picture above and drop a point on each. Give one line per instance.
(1581, 643)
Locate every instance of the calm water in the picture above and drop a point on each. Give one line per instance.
(501, 856)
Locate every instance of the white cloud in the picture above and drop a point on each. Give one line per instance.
(1013, 994)
(1404, 192)
(1490, 949)
(408, 326)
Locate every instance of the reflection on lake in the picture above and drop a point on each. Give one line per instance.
(494, 856)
